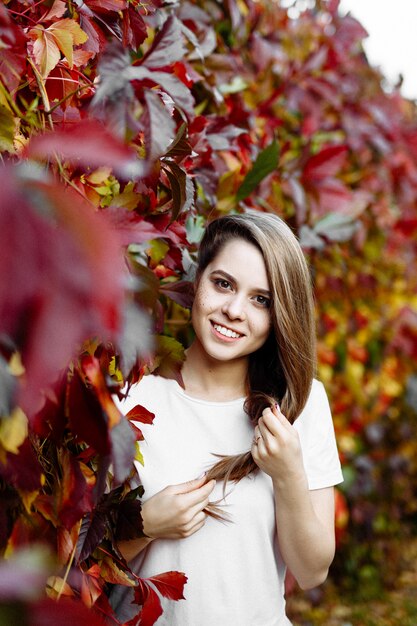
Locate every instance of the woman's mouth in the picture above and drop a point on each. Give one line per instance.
(227, 333)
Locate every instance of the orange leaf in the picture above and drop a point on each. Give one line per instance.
(45, 50)
(57, 10)
(64, 41)
(90, 589)
(67, 34)
(66, 540)
(57, 587)
(73, 28)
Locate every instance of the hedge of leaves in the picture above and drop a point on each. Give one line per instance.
(124, 126)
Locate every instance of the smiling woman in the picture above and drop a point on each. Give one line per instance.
(252, 356)
(230, 315)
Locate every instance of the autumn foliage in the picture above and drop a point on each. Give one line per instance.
(124, 126)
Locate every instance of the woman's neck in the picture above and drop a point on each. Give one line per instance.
(210, 379)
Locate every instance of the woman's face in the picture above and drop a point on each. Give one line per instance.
(231, 310)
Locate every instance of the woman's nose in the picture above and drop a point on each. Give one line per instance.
(234, 307)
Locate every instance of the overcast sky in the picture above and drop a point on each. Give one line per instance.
(392, 41)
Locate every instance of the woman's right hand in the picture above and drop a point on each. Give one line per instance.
(177, 511)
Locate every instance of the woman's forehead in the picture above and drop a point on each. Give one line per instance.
(243, 261)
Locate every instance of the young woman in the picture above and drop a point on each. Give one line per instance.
(250, 431)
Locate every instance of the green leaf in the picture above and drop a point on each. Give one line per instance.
(266, 162)
(7, 129)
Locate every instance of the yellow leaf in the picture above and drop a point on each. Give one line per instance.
(72, 27)
(15, 364)
(99, 175)
(138, 455)
(8, 124)
(45, 50)
(13, 430)
(28, 498)
(111, 573)
(64, 41)
(56, 587)
(114, 371)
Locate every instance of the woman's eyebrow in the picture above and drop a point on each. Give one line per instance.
(231, 279)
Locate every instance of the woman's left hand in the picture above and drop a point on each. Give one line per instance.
(276, 447)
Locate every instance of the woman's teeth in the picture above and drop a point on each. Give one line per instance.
(226, 331)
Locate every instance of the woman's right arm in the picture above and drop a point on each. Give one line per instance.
(175, 512)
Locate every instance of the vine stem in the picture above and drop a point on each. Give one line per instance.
(70, 562)
(42, 89)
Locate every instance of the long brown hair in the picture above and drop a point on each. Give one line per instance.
(282, 369)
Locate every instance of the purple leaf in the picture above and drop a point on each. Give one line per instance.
(123, 441)
(159, 126)
(182, 292)
(167, 47)
(180, 94)
(92, 532)
(182, 188)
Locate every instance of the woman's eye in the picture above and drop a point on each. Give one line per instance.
(263, 301)
(222, 283)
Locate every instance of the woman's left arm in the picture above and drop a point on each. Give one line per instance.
(305, 518)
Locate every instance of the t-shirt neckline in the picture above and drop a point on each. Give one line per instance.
(180, 391)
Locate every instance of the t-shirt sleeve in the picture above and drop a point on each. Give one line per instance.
(318, 441)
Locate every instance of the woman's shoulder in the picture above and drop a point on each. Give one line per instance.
(317, 393)
(146, 392)
(316, 408)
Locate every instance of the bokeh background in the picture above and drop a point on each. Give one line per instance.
(124, 126)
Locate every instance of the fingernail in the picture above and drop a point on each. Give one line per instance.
(277, 406)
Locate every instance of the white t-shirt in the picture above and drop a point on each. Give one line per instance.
(235, 570)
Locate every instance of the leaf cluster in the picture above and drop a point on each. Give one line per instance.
(124, 126)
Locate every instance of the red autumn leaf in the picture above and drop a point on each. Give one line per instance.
(167, 47)
(22, 470)
(86, 417)
(151, 605)
(91, 368)
(180, 94)
(96, 38)
(51, 420)
(65, 612)
(170, 584)
(92, 532)
(332, 195)
(76, 497)
(134, 28)
(60, 279)
(328, 162)
(62, 84)
(132, 228)
(90, 145)
(137, 431)
(181, 292)
(128, 515)
(13, 51)
(107, 5)
(140, 414)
